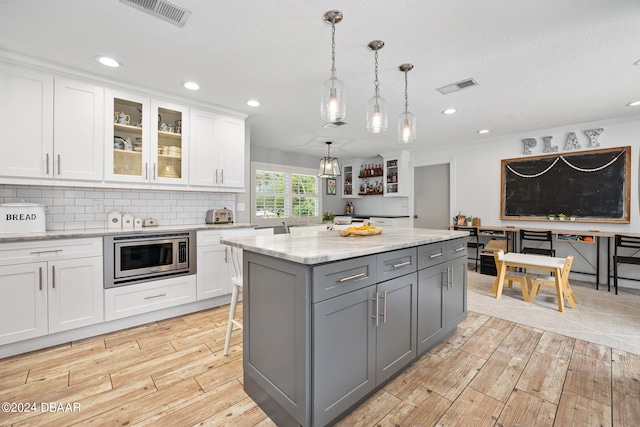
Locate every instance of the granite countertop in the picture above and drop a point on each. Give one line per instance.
(100, 232)
(316, 247)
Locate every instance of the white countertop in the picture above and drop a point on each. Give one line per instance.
(316, 247)
(100, 232)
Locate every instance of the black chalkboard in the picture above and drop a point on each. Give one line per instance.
(592, 185)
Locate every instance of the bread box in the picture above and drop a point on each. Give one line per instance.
(22, 218)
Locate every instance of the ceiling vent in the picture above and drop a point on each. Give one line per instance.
(333, 125)
(454, 87)
(162, 9)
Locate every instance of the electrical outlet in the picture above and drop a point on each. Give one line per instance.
(98, 206)
(240, 207)
(171, 204)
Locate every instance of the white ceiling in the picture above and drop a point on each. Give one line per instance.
(539, 64)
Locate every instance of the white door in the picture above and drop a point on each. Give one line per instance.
(202, 151)
(431, 196)
(213, 276)
(231, 152)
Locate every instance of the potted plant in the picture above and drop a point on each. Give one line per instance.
(469, 221)
(561, 216)
(572, 217)
(551, 217)
(328, 217)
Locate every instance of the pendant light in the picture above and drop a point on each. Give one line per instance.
(333, 106)
(329, 166)
(377, 120)
(406, 121)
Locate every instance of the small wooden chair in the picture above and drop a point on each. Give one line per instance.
(564, 292)
(510, 277)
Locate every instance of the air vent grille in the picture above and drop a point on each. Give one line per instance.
(162, 9)
(454, 87)
(332, 125)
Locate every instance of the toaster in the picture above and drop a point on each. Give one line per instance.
(219, 216)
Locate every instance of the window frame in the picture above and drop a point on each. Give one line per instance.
(290, 170)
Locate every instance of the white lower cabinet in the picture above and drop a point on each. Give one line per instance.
(213, 265)
(130, 300)
(49, 287)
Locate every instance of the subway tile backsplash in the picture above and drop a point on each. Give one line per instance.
(74, 208)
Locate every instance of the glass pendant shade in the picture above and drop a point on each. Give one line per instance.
(377, 118)
(329, 167)
(406, 128)
(333, 106)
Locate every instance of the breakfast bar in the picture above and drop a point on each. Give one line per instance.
(328, 319)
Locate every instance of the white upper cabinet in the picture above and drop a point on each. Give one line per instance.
(217, 151)
(61, 146)
(78, 130)
(146, 140)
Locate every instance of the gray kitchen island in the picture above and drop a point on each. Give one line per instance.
(329, 319)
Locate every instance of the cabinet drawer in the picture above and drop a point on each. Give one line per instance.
(456, 248)
(137, 299)
(49, 250)
(431, 254)
(207, 238)
(397, 263)
(340, 277)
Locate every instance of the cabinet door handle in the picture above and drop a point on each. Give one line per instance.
(47, 164)
(225, 255)
(216, 176)
(40, 274)
(402, 264)
(156, 296)
(154, 172)
(376, 316)
(460, 249)
(146, 170)
(384, 308)
(346, 279)
(58, 164)
(53, 276)
(222, 176)
(435, 255)
(449, 280)
(44, 252)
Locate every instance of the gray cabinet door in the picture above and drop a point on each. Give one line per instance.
(455, 300)
(344, 354)
(397, 322)
(431, 282)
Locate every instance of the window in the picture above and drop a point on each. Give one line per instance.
(282, 192)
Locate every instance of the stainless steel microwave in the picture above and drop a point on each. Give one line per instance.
(136, 258)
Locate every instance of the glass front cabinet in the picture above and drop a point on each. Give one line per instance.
(146, 140)
(350, 180)
(396, 168)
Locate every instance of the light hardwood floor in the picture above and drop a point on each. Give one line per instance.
(490, 372)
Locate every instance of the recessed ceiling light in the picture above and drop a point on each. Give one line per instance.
(253, 103)
(449, 111)
(633, 104)
(109, 62)
(483, 131)
(191, 85)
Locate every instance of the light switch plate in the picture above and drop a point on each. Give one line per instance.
(240, 207)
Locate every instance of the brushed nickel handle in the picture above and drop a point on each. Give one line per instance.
(436, 255)
(376, 316)
(460, 249)
(45, 252)
(47, 163)
(53, 276)
(146, 170)
(156, 296)
(384, 308)
(58, 164)
(40, 274)
(154, 172)
(346, 279)
(216, 176)
(449, 277)
(222, 176)
(402, 264)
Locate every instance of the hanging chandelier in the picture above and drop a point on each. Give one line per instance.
(329, 166)
(377, 120)
(333, 106)
(406, 121)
